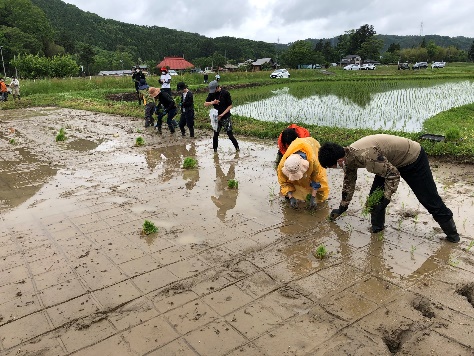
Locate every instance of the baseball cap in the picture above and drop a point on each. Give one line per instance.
(213, 86)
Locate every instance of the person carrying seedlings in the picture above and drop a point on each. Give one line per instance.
(287, 136)
(169, 108)
(187, 109)
(149, 99)
(389, 158)
(300, 175)
(222, 102)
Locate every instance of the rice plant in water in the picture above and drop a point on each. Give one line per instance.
(149, 228)
(61, 136)
(320, 252)
(139, 141)
(189, 163)
(12, 141)
(232, 184)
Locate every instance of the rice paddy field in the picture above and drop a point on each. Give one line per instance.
(336, 105)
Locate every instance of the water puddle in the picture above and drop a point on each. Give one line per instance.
(82, 145)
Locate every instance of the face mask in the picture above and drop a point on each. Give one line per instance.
(163, 73)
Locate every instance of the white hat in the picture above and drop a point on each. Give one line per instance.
(295, 167)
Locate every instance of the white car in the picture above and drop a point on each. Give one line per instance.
(280, 73)
(367, 66)
(438, 65)
(352, 67)
(172, 72)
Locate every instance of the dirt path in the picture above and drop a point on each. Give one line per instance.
(229, 272)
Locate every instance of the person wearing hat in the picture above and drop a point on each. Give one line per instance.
(149, 99)
(169, 108)
(165, 80)
(187, 109)
(300, 174)
(221, 100)
(390, 158)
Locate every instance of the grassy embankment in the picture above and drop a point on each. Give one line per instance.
(91, 94)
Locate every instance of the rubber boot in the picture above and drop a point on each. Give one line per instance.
(449, 228)
(377, 218)
(191, 132)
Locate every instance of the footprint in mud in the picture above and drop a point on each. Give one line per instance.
(423, 305)
(467, 290)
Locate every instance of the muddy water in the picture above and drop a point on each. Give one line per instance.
(73, 211)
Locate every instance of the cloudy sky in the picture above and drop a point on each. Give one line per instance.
(291, 20)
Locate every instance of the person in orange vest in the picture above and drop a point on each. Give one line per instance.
(287, 136)
(3, 90)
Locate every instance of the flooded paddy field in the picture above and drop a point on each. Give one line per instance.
(229, 271)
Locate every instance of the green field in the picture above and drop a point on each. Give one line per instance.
(457, 124)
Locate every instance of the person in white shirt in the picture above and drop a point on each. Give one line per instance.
(165, 80)
(15, 87)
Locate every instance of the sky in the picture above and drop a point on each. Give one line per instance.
(278, 21)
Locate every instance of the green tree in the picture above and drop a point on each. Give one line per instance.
(300, 52)
(86, 57)
(471, 52)
(394, 47)
(62, 66)
(370, 49)
(361, 35)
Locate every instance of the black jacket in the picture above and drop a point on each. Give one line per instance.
(188, 103)
(166, 100)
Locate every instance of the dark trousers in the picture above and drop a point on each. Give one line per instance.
(149, 110)
(171, 114)
(420, 179)
(215, 140)
(187, 119)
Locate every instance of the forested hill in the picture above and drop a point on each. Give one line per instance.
(74, 26)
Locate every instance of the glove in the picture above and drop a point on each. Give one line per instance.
(313, 203)
(293, 203)
(335, 213)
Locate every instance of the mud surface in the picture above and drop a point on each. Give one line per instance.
(230, 271)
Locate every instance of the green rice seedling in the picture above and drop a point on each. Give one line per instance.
(453, 262)
(308, 197)
(372, 200)
(381, 236)
(413, 249)
(189, 163)
(470, 245)
(149, 228)
(12, 141)
(139, 141)
(61, 136)
(232, 184)
(320, 252)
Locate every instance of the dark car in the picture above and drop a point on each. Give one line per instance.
(420, 65)
(403, 66)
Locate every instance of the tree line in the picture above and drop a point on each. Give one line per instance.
(46, 38)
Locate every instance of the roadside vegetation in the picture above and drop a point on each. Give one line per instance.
(97, 94)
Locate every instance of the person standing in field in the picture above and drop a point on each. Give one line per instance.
(136, 77)
(149, 99)
(187, 109)
(165, 80)
(169, 108)
(3, 90)
(15, 87)
(221, 100)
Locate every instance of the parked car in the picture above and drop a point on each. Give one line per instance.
(172, 72)
(438, 65)
(403, 66)
(352, 67)
(280, 73)
(367, 66)
(419, 65)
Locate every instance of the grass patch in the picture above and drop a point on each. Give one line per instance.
(190, 163)
(149, 228)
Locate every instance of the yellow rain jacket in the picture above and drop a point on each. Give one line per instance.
(301, 188)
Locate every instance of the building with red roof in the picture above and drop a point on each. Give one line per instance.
(176, 63)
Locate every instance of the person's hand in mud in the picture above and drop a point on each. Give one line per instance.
(312, 203)
(293, 201)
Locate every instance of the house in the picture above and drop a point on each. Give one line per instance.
(259, 63)
(115, 73)
(230, 67)
(351, 59)
(176, 63)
